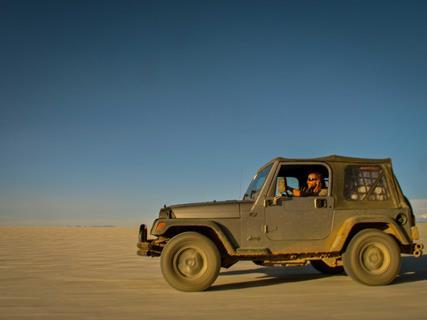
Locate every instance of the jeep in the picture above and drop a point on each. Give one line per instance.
(360, 224)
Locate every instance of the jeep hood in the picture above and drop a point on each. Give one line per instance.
(214, 209)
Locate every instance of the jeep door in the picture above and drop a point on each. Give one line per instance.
(305, 217)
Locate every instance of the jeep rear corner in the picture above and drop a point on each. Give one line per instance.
(416, 247)
(407, 221)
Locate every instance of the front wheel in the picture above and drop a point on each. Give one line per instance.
(190, 262)
(372, 258)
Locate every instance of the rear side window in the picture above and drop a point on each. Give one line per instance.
(365, 183)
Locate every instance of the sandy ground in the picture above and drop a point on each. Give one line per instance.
(94, 273)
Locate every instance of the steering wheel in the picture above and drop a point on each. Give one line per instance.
(289, 191)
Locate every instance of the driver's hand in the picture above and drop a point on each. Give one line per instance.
(296, 192)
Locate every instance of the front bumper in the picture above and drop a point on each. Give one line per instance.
(147, 248)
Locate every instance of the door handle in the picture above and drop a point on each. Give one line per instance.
(320, 203)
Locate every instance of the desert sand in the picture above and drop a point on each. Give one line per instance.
(94, 273)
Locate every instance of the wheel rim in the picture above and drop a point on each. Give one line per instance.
(190, 262)
(375, 258)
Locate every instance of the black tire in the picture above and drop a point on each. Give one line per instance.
(372, 258)
(190, 262)
(322, 267)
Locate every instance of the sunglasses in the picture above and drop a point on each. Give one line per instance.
(312, 179)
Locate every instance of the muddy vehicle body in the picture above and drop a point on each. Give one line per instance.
(361, 224)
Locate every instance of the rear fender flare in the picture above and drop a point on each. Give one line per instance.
(390, 227)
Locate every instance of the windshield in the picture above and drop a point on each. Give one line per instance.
(256, 184)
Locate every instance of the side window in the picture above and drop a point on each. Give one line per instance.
(365, 183)
(302, 180)
(292, 182)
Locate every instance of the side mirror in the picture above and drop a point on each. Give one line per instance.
(275, 201)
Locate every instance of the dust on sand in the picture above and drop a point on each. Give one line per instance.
(94, 273)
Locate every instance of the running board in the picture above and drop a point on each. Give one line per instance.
(253, 251)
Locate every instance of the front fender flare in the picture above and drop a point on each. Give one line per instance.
(228, 243)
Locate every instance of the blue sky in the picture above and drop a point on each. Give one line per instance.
(108, 110)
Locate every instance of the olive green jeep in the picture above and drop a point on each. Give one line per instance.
(358, 221)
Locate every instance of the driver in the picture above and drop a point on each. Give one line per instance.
(315, 187)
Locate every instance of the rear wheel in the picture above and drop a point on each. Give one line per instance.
(322, 267)
(372, 258)
(190, 262)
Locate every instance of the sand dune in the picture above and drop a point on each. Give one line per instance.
(94, 273)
